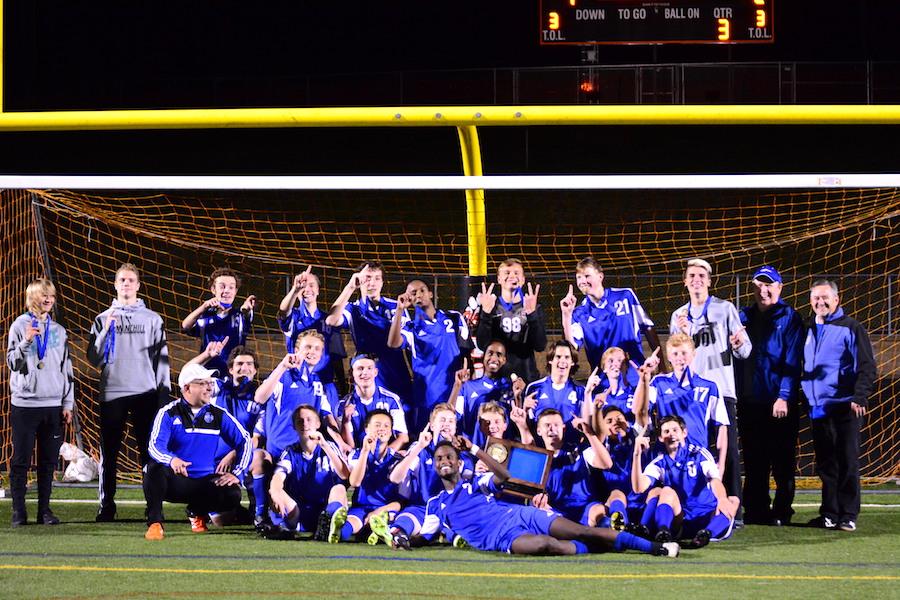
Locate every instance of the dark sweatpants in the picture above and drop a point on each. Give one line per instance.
(836, 444)
(27, 426)
(201, 494)
(769, 445)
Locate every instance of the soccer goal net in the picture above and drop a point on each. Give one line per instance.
(641, 237)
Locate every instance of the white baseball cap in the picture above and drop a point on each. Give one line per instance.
(194, 372)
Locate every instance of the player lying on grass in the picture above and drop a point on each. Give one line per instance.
(470, 508)
(308, 477)
(416, 473)
(692, 503)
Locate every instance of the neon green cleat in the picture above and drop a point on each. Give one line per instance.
(337, 523)
(380, 530)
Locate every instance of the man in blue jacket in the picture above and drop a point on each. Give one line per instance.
(838, 378)
(768, 389)
(183, 444)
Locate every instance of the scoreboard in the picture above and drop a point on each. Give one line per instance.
(657, 22)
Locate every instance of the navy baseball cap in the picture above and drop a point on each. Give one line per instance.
(767, 274)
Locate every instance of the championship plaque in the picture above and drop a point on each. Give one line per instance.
(529, 466)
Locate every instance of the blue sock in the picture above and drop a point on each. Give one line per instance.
(332, 507)
(259, 493)
(718, 525)
(618, 506)
(405, 523)
(628, 541)
(664, 516)
(346, 532)
(649, 512)
(580, 548)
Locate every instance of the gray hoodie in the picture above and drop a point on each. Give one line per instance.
(31, 387)
(139, 362)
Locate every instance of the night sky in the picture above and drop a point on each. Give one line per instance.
(106, 54)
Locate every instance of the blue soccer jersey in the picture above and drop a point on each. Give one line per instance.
(694, 399)
(472, 511)
(300, 320)
(369, 324)
(571, 485)
(472, 395)
(617, 320)
(621, 396)
(381, 400)
(423, 480)
(435, 345)
(238, 401)
(213, 327)
(689, 474)
(566, 399)
(296, 387)
(376, 489)
(309, 477)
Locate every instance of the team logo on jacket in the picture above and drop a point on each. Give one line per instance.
(208, 418)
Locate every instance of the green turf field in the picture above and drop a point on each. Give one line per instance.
(81, 559)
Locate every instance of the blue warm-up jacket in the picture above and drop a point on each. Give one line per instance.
(772, 370)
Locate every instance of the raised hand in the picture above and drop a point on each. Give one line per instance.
(487, 299)
(652, 361)
(290, 361)
(212, 303)
(358, 278)
(567, 304)
(249, 304)
(111, 320)
(682, 322)
(368, 444)
(530, 401)
(425, 437)
(463, 374)
(404, 301)
(518, 386)
(592, 382)
(215, 348)
(314, 436)
(462, 443)
(529, 303)
(301, 279)
(31, 331)
(518, 416)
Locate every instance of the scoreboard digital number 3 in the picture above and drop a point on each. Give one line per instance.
(657, 22)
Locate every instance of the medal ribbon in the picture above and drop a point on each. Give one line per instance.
(41, 341)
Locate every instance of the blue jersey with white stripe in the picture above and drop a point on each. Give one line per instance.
(237, 400)
(567, 399)
(300, 320)
(435, 345)
(179, 433)
(213, 327)
(309, 477)
(369, 323)
(474, 393)
(571, 484)
(424, 481)
(693, 398)
(617, 320)
(376, 488)
(294, 388)
(688, 473)
(382, 399)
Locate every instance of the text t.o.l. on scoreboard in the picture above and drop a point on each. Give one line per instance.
(657, 22)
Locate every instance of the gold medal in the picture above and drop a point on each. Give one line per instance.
(498, 452)
(40, 364)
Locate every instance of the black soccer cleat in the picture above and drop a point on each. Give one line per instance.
(106, 514)
(668, 549)
(663, 536)
(322, 527)
(47, 518)
(639, 529)
(400, 541)
(701, 539)
(279, 532)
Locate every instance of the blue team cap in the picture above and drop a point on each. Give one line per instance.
(767, 274)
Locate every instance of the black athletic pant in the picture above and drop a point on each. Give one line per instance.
(201, 495)
(769, 445)
(731, 478)
(114, 416)
(28, 425)
(836, 444)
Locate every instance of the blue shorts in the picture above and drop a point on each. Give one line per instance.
(527, 520)
(690, 527)
(579, 514)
